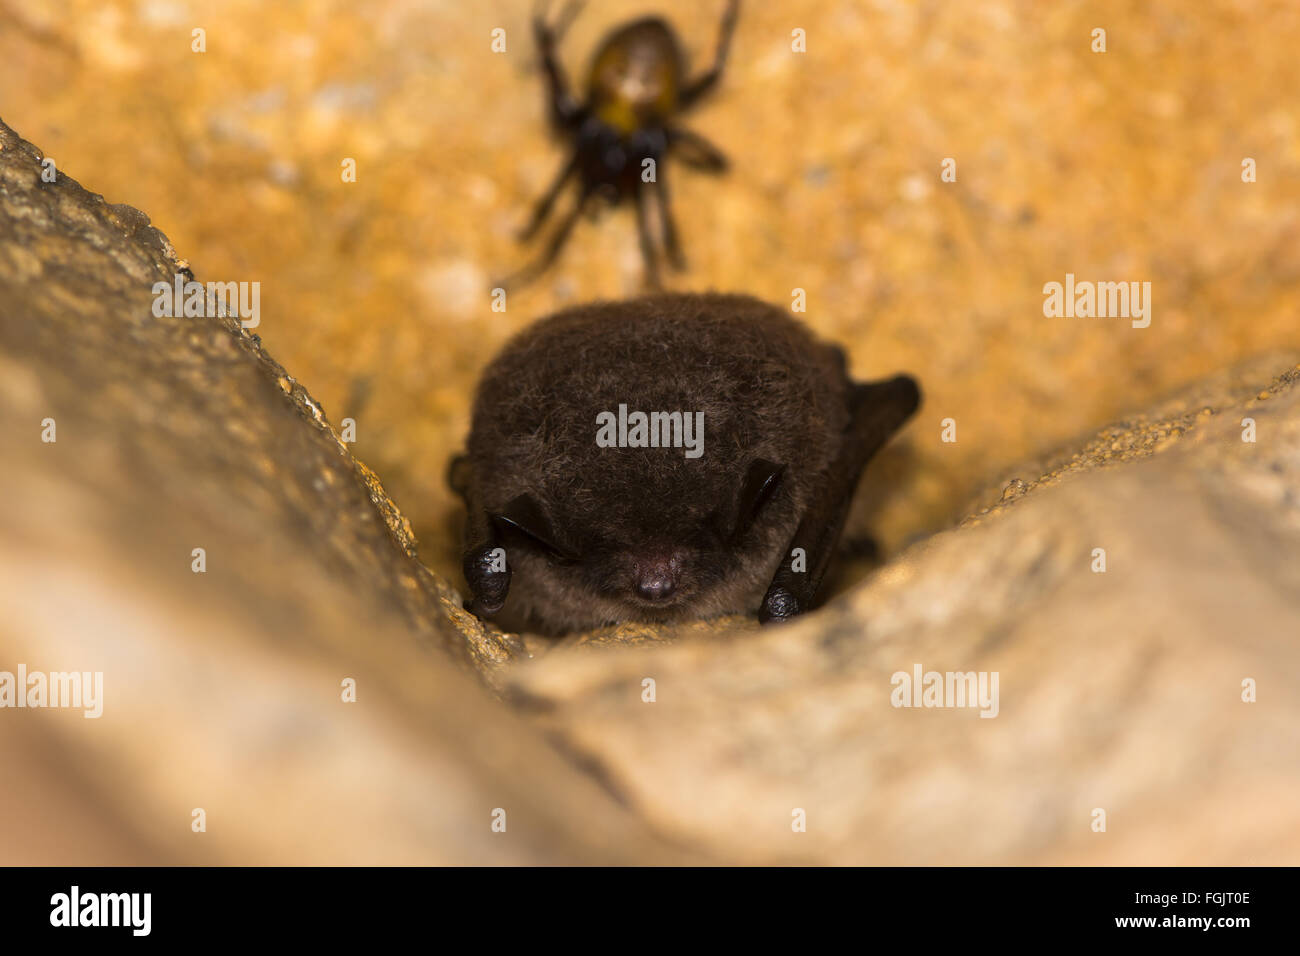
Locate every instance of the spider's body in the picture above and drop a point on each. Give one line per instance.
(624, 128)
(636, 76)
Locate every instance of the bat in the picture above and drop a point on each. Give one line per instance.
(663, 458)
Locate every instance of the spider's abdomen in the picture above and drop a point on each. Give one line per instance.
(636, 76)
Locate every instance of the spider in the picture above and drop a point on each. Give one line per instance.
(620, 135)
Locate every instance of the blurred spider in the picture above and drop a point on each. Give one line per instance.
(620, 135)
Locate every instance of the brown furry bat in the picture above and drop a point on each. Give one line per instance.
(668, 457)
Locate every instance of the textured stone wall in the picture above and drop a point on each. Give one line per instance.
(1119, 690)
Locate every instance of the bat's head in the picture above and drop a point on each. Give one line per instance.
(689, 546)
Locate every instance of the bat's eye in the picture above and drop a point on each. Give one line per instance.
(761, 481)
(523, 518)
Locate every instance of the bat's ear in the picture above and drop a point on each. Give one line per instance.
(458, 472)
(524, 517)
(761, 481)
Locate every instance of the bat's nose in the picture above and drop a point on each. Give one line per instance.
(656, 584)
(656, 571)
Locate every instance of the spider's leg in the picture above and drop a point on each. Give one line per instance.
(563, 108)
(693, 92)
(553, 246)
(672, 242)
(648, 255)
(546, 203)
(877, 410)
(696, 151)
(567, 15)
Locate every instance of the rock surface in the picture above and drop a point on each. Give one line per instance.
(1119, 690)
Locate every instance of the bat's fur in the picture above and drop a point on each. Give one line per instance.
(768, 390)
